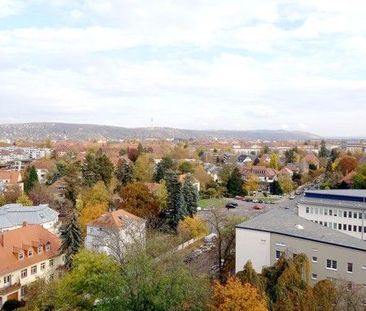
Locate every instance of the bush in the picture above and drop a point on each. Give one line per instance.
(192, 227)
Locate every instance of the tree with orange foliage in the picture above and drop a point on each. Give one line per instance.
(236, 296)
(347, 164)
(90, 213)
(137, 200)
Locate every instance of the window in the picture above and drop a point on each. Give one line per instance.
(30, 253)
(339, 226)
(48, 247)
(40, 249)
(21, 256)
(355, 215)
(22, 291)
(331, 264)
(307, 210)
(24, 273)
(344, 227)
(344, 214)
(7, 280)
(43, 266)
(314, 276)
(359, 228)
(364, 229)
(354, 228)
(325, 224)
(326, 212)
(334, 225)
(51, 263)
(321, 222)
(314, 259)
(278, 254)
(335, 213)
(349, 227)
(360, 215)
(349, 214)
(331, 212)
(34, 270)
(350, 267)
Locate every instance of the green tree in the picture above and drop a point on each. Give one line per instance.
(291, 155)
(235, 183)
(24, 200)
(359, 180)
(166, 163)
(276, 188)
(71, 237)
(124, 172)
(275, 161)
(30, 178)
(286, 183)
(161, 194)
(323, 152)
(73, 181)
(176, 208)
(96, 167)
(249, 275)
(186, 167)
(190, 195)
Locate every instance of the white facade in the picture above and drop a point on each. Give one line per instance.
(347, 220)
(254, 246)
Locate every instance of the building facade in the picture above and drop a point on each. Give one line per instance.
(342, 210)
(27, 253)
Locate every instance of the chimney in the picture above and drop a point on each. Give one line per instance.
(24, 224)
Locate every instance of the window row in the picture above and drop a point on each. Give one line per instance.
(343, 227)
(333, 212)
(33, 269)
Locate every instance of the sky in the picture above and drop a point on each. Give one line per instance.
(198, 64)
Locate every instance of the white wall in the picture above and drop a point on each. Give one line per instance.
(252, 245)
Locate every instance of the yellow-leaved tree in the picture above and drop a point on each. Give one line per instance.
(192, 227)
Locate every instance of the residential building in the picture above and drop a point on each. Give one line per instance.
(113, 232)
(212, 170)
(27, 253)
(265, 175)
(342, 210)
(13, 216)
(11, 178)
(43, 167)
(332, 254)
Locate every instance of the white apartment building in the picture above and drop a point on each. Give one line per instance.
(342, 210)
(27, 253)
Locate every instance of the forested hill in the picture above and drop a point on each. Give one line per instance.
(36, 131)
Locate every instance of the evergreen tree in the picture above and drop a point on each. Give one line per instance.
(72, 240)
(31, 178)
(96, 167)
(276, 188)
(176, 208)
(323, 152)
(190, 195)
(124, 172)
(235, 183)
(163, 166)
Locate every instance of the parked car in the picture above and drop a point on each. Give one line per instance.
(258, 207)
(291, 197)
(240, 198)
(255, 201)
(231, 205)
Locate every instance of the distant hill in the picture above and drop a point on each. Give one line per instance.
(59, 131)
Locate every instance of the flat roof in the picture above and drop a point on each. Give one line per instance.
(356, 193)
(285, 222)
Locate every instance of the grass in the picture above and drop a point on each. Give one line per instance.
(211, 203)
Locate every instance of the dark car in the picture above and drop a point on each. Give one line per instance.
(231, 205)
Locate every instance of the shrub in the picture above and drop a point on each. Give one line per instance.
(192, 227)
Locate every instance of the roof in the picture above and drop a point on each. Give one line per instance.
(44, 164)
(348, 179)
(13, 215)
(22, 239)
(310, 157)
(260, 171)
(114, 220)
(284, 221)
(13, 176)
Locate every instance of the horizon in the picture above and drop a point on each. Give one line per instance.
(232, 66)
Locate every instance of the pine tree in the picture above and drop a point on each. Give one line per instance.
(323, 152)
(163, 166)
(190, 195)
(176, 209)
(96, 167)
(235, 183)
(124, 172)
(31, 178)
(72, 240)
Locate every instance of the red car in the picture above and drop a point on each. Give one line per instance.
(240, 198)
(258, 207)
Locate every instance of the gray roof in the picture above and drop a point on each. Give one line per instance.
(284, 221)
(332, 203)
(345, 192)
(12, 215)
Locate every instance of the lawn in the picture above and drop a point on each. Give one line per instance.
(211, 203)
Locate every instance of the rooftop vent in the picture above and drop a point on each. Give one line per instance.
(299, 227)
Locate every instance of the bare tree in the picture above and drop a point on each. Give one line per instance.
(349, 296)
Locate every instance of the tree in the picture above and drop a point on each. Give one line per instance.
(12, 193)
(24, 200)
(97, 167)
(161, 194)
(276, 188)
(72, 180)
(325, 295)
(166, 163)
(176, 209)
(124, 172)
(202, 176)
(275, 161)
(90, 213)
(192, 227)
(30, 178)
(71, 237)
(291, 155)
(190, 195)
(98, 194)
(251, 184)
(224, 226)
(323, 152)
(347, 164)
(225, 173)
(359, 180)
(249, 275)
(235, 295)
(186, 167)
(137, 200)
(285, 182)
(144, 168)
(235, 183)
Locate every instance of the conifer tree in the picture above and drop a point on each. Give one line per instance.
(163, 166)
(176, 209)
(235, 183)
(72, 240)
(190, 195)
(31, 178)
(124, 172)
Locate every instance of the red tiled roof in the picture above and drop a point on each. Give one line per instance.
(13, 176)
(23, 239)
(114, 220)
